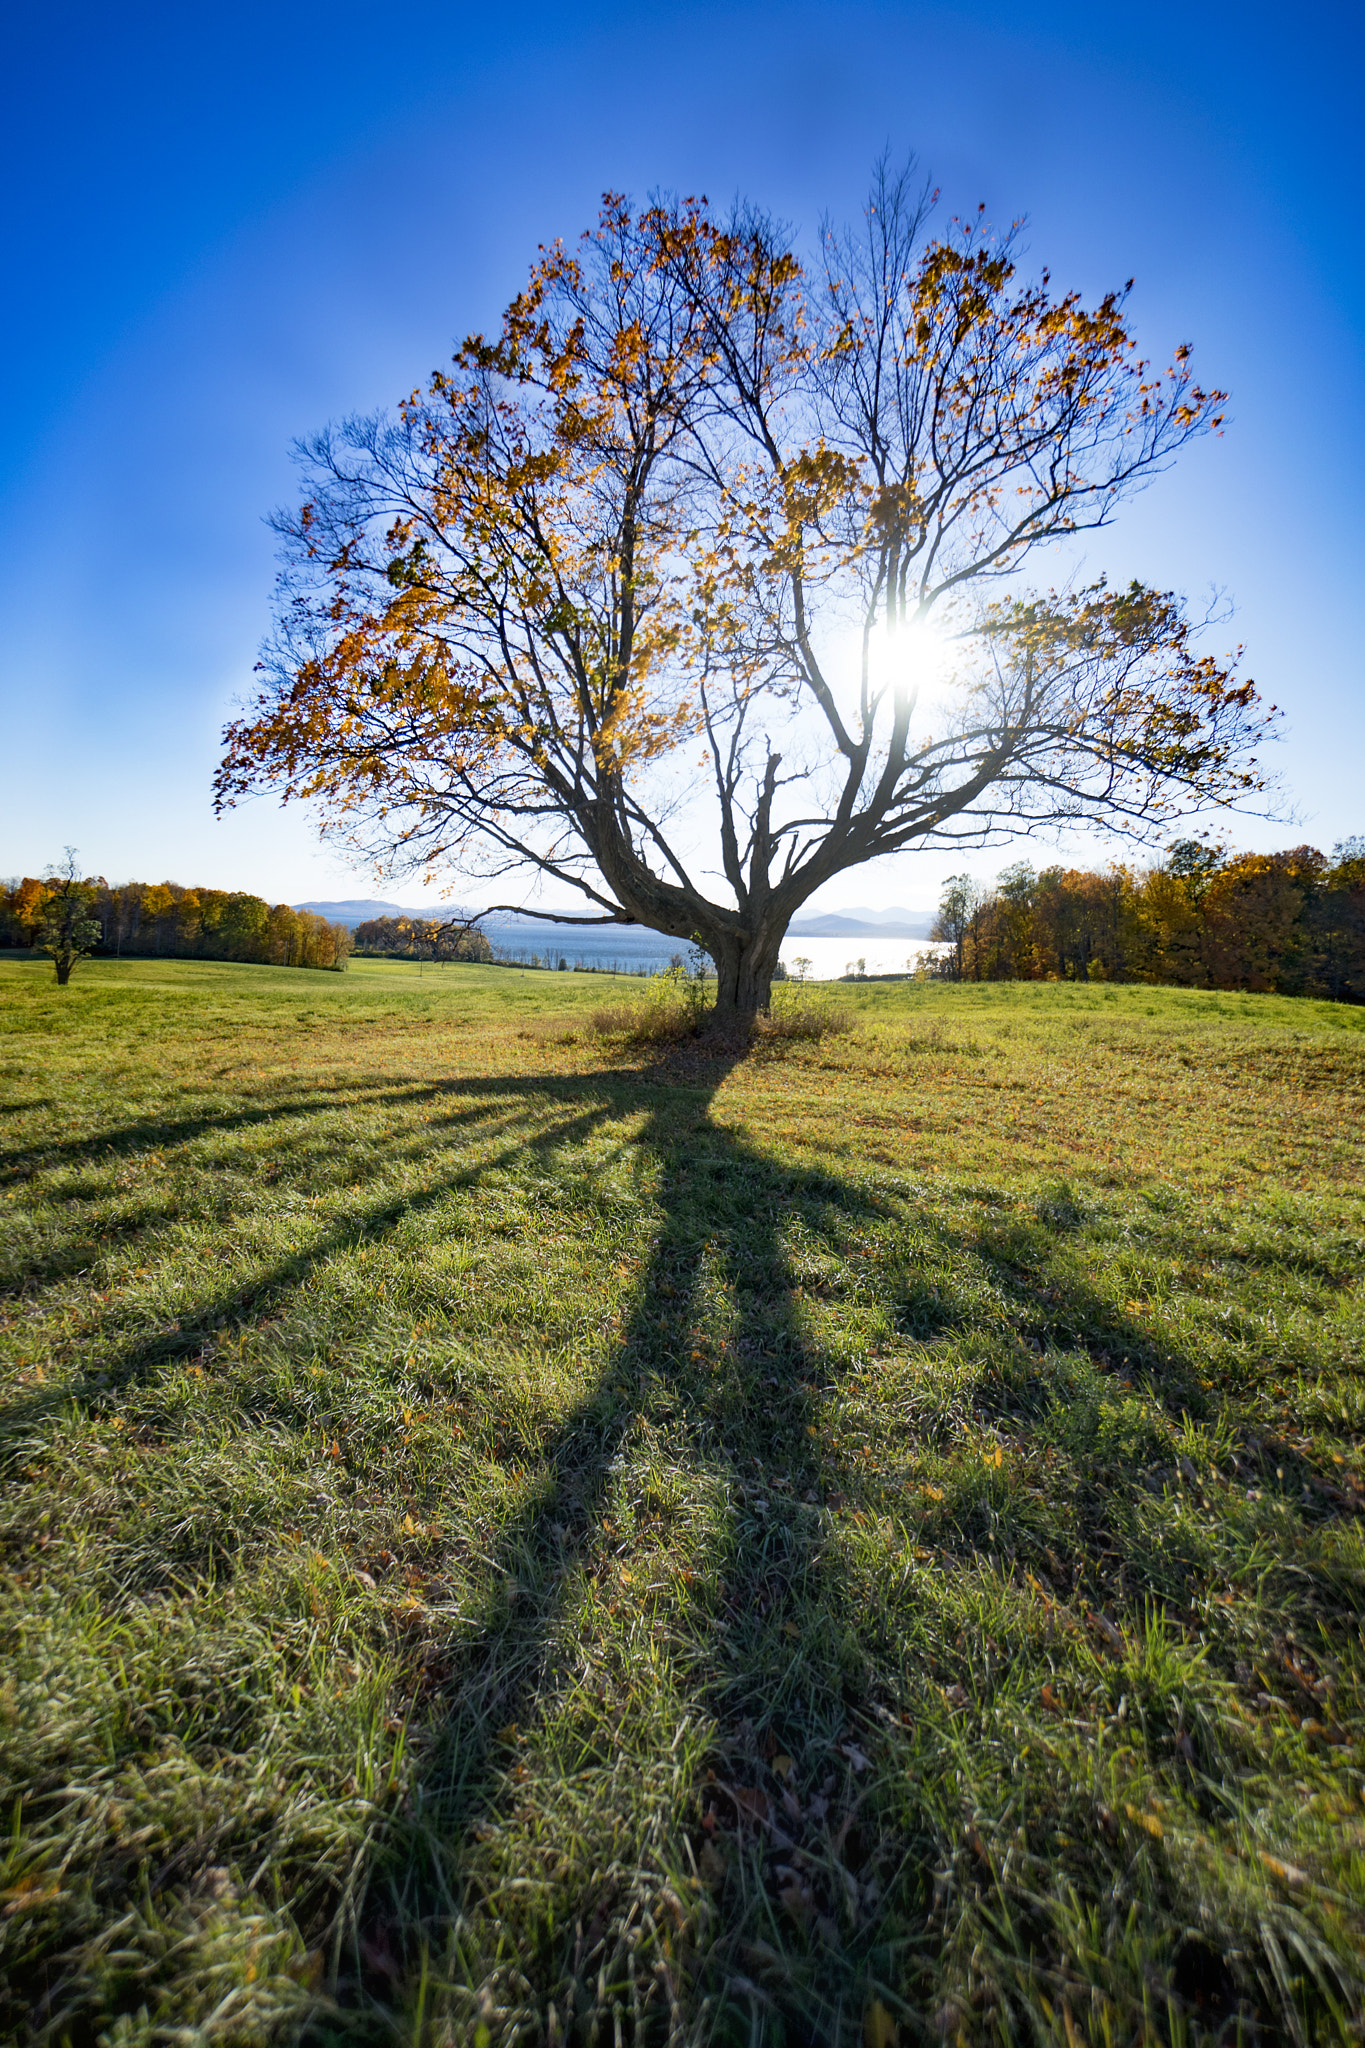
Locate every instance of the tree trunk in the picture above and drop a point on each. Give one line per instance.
(744, 980)
(63, 964)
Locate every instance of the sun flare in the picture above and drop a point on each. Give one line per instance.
(915, 658)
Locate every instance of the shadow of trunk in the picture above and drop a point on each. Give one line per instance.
(738, 1666)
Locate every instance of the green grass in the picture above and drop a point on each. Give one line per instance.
(510, 1537)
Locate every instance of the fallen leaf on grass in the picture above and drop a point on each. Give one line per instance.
(1106, 1630)
(795, 1895)
(1288, 1873)
(28, 1893)
(855, 1756)
(1146, 1821)
(1050, 1700)
(753, 1805)
(879, 2029)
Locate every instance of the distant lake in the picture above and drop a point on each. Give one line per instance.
(632, 949)
(620, 949)
(831, 958)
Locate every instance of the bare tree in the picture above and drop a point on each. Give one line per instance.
(658, 569)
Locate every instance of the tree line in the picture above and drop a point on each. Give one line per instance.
(66, 914)
(1289, 923)
(422, 938)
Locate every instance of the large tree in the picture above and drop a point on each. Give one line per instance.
(643, 595)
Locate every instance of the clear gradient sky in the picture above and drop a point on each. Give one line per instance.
(223, 226)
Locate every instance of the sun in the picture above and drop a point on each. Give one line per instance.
(914, 659)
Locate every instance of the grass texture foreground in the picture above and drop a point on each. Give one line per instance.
(509, 1537)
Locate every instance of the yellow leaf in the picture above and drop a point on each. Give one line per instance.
(1148, 1821)
(879, 2029)
(783, 1766)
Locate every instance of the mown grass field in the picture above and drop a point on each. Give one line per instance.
(508, 1537)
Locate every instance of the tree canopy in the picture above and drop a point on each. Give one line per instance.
(695, 585)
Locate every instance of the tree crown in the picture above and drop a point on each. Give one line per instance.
(669, 546)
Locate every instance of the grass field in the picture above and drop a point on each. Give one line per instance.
(508, 1537)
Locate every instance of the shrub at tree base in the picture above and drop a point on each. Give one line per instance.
(675, 1007)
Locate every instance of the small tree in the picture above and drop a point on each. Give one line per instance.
(66, 930)
(460, 939)
(418, 936)
(961, 900)
(1338, 923)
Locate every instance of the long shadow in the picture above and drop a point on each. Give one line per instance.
(156, 1131)
(770, 1653)
(718, 1372)
(232, 1303)
(714, 1361)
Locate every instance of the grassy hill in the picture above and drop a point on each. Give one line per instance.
(508, 1537)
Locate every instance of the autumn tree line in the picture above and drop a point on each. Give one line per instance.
(1288, 923)
(143, 919)
(422, 938)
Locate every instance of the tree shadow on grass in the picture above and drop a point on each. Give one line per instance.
(156, 1130)
(708, 1408)
(231, 1303)
(543, 1877)
(644, 1813)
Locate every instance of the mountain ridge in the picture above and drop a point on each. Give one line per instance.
(834, 924)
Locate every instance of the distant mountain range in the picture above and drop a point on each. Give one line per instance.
(357, 910)
(844, 924)
(858, 923)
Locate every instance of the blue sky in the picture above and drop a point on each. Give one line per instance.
(222, 228)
